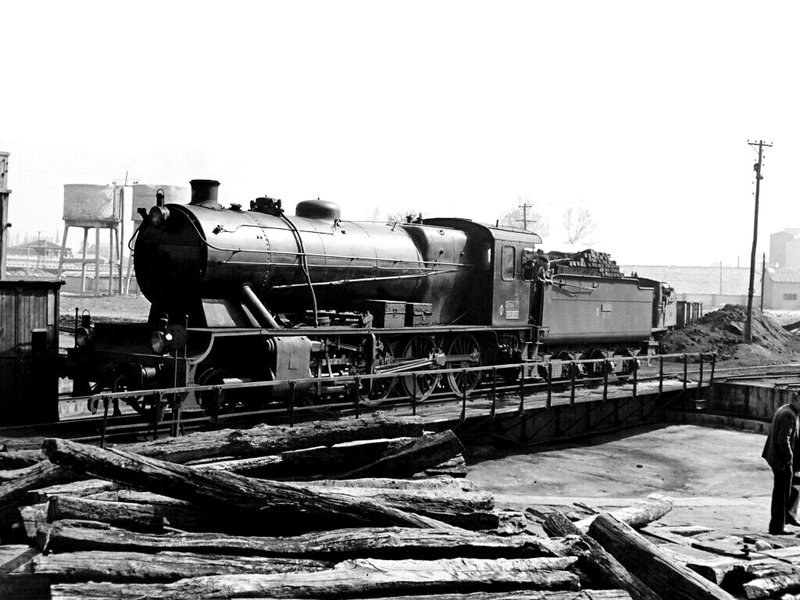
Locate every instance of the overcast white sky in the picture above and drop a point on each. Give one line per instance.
(639, 111)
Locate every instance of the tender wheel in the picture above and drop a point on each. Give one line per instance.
(466, 351)
(569, 367)
(420, 347)
(599, 368)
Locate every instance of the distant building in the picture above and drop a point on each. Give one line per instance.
(784, 248)
(713, 286)
(30, 258)
(42, 248)
(782, 288)
(782, 279)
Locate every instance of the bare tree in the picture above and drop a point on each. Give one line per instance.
(381, 215)
(524, 216)
(403, 216)
(578, 223)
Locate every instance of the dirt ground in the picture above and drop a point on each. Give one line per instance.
(715, 477)
(107, 308)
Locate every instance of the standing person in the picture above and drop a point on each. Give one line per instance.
(779, 453)
(543, 274)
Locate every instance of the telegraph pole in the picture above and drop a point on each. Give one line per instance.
(763, 274)
(4, 224)
(748, 324)
(525, 206)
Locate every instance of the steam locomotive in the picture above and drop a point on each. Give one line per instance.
(309, 301)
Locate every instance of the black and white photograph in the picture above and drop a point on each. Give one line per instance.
(399, 300)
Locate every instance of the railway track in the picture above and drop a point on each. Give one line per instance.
(101, 425)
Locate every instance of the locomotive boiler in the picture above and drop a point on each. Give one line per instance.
(314, 302)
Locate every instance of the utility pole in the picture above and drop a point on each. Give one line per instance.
(4, 224)
(525, 206)
(763, 274)
(748, 324)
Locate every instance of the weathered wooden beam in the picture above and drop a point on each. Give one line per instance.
(263, 440)
(80, 489)
(773, 585)
(523, 595)
(470, 510)
(594, 559)
(353, 578)
(147, 512)
(420, 454)
(15, 581)
(637, 515)
(39, 475)
(391, 542)
(12, 474)
(162, 566)
(128, 515)
(726, 572)
(309, 462)
(446, 484)
(654, 568)
(32, 518)
(265, 500)
(455, 467)
(17, 459)
(138, 592)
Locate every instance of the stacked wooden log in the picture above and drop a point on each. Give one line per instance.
(197, 517)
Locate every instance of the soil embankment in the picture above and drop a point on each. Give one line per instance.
(722, 331)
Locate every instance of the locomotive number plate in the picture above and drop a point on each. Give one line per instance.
(512, 309)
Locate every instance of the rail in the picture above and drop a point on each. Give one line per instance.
(526, 381)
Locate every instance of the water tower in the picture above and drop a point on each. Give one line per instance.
(97, 207)
(113, 208)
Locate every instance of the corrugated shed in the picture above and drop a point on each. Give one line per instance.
(784, 274)
(728, 281)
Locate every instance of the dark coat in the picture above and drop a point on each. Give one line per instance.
(779, 448)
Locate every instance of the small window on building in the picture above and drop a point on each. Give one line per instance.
(508, 263)
(790, 296)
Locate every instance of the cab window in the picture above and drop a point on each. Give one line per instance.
(527, 266)
(508, 263)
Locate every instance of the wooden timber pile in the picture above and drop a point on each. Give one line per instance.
(329, 510)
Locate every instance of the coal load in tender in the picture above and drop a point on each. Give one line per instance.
(585, 262)
(144, 524)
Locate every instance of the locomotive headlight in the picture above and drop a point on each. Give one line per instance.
(158, 215)
(169, 339)
(159, 341)
(83, 336)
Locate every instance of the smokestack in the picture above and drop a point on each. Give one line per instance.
(204, 193)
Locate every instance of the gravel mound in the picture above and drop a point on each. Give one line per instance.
(722, 331)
